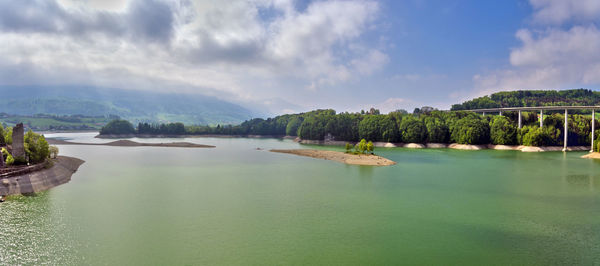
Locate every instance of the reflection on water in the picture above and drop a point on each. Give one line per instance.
(238, 205)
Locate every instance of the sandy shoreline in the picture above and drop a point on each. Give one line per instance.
(455, 146)
(361, 159)
(62, 170)
(592, 155)
(129, 143)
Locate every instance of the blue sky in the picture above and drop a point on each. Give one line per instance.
(282, 56)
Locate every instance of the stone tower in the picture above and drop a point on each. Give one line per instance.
(18, 148)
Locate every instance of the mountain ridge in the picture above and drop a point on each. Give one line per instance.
(138, 106)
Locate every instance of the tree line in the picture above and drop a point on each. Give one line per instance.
(577, 97)
(431, 126)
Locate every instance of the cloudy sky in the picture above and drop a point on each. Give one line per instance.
(289, 56)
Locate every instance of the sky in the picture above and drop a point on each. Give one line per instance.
(286, 56)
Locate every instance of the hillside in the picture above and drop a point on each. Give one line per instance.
(41, 122)
(133, 105)
(532, 98)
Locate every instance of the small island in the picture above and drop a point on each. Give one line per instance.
(362, 155)
(28, 164)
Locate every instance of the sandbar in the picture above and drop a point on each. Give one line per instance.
(342, 157)
(129, 143)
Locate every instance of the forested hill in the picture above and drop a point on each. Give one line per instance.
(532, 98)
(138, 106)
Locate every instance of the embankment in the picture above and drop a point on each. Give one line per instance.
(451, 146)
(60, 173)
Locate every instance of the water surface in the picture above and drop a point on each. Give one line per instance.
(238, 205)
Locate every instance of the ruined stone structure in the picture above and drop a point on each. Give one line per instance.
(18, 148)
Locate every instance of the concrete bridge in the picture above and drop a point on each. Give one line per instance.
(541, 109)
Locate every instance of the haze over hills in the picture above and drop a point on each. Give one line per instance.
(136, 106)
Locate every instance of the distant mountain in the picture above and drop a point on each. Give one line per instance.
(136, 106)
(577, 97)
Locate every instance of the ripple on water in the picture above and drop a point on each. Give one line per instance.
(33, 232)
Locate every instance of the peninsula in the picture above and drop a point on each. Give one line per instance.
(39, 178)
(28, 164)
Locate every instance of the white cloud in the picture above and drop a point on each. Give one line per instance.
(559, 11)
(371, 62)
(243, 50)
(551, 60)
(551, 57)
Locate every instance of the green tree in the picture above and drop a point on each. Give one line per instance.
(361, 147)
(292, 127)
(536, 136)
(117, 127)
(2, 141)
(8, 135)
(8, 159)
(471, 130)
(36, 147)
(437, 130)
(348, 147)
(503, 131)
(368, 128)
(370, 147)
(413, 130)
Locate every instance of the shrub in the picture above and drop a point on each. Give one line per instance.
(503, 131)
(348, 147)
(5, 155)
(53, 152)
(10, 160)
(412, 130)
(470, 130)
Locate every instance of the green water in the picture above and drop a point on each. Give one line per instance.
(238, 205)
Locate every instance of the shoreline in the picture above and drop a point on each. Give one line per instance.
(60, 173)
(129, 143)
(160, 136)
(455, 146)
(592, 155)
(342, 157)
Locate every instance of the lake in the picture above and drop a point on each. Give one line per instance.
(235, 204)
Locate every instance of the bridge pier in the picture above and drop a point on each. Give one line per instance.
(520, 124)
(541, 118)
(593, 128)
(566, 132)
